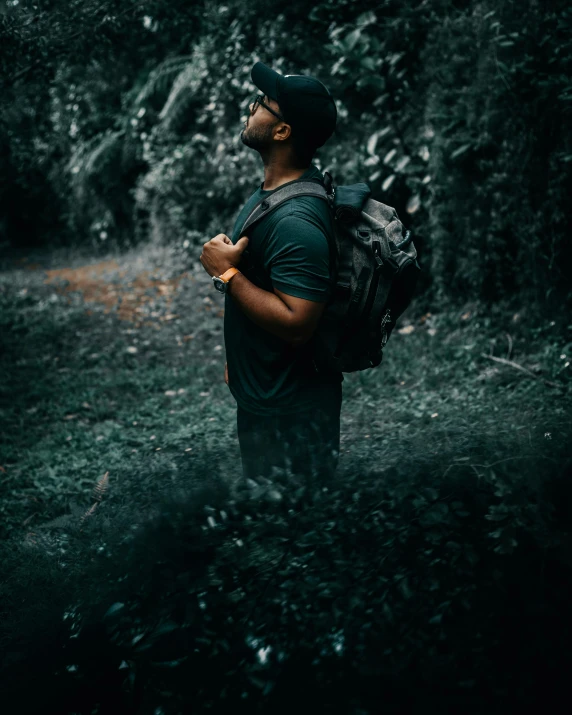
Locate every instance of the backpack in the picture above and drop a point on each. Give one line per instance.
(375, 271)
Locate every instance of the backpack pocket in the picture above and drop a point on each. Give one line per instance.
(353, 313)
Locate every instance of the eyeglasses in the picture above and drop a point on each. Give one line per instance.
(259, 100)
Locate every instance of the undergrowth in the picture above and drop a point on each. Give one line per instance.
(432, 572)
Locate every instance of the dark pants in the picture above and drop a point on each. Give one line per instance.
(306, 444)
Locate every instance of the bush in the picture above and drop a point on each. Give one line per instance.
(412, 584)
(456, 114)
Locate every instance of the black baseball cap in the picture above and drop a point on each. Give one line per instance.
(305, 102)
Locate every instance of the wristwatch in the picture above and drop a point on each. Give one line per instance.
(221, 282)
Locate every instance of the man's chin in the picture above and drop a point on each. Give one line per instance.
(252, 142)
(244, 138)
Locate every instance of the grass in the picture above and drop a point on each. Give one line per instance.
(84, 391)
(110, 385)
(445, 534)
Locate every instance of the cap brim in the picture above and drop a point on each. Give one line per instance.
(265, 79)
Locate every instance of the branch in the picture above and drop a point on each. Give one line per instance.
(63, 42)
(509, 351)
(516, 366)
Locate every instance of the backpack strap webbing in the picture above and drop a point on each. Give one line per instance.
(313, 187)
(282, 194)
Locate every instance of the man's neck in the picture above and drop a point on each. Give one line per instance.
(276, 175)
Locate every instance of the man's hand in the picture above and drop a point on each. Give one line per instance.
(219, 254)
(226, 372)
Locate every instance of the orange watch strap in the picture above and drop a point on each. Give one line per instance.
(227, 275)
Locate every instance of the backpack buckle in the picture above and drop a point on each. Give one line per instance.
(329, 184)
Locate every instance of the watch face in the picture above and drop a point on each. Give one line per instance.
(219, 284)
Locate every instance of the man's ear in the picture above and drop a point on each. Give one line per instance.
(282, 132)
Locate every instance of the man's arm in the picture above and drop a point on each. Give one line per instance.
(290, 318)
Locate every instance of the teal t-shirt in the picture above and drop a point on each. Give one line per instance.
(289, 250)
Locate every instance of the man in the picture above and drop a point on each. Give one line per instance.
(288, 416)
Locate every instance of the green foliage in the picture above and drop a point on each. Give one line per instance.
(457, 115)
(137, 560)
(271, 596)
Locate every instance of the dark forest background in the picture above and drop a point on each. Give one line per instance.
(138, 574)
(122, 119)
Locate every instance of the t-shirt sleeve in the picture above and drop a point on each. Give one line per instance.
(298, 259)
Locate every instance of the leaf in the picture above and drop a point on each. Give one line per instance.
(371, 143)
(114, 609)
(414, 204)
(337, 66)
(387, 612)
(88, 513)
(389, 156)
(60, 522)
(161, 77)
(496, 517)
(101, 487)
(387, 182)
(460, 150)
(258, 682)
(164, 628)
(372, 81)
(169, 663)
(507, 545)
(366, 18)
(368, 63)
(404, 588)
(351, 40)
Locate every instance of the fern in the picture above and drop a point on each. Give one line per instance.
(98, 165)
(60, 522)
(185, 87)
(103, 153)
(87, 514)
(97, 495)
(101, 488)
(91, 159)
(160, 79)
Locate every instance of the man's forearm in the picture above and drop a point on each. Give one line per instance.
(264, 308)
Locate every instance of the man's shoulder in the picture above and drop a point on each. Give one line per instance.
(310, 210)
(304, 207)
(302, 221)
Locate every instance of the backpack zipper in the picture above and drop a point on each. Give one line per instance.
(376, 246)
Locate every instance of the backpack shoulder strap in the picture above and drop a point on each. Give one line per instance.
(282, 194)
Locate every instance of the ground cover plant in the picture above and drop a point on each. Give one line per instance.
(140, 574)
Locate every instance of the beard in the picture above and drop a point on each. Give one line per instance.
(259, 138)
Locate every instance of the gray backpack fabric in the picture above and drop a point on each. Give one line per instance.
(375, 270)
